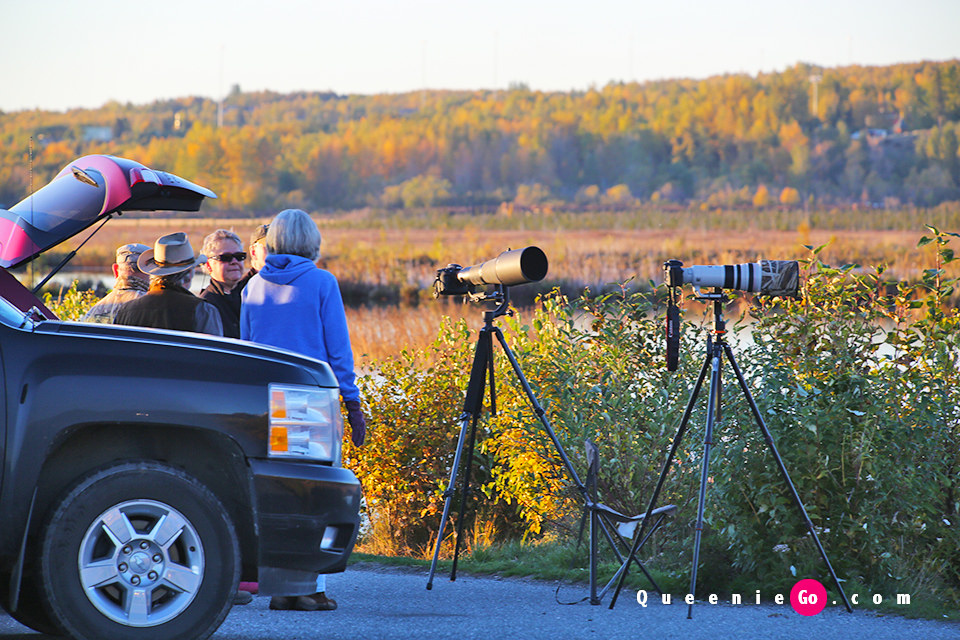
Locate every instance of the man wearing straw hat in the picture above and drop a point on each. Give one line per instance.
(169, 304)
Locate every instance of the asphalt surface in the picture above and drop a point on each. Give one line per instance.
(378, 603)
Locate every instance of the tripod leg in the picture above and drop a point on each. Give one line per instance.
(713, 410)
(594, 524)
(464, 491)
(465, 420)
(663, 476)
(783, 471)
(541, 414)
(472, 406)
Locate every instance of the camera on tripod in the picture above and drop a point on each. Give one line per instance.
(766, 278)
(518, 266)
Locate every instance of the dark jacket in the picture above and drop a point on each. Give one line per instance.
(228, 304)
(167, 306)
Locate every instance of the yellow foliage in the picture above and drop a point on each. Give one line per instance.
(762, 197)
(789, 196)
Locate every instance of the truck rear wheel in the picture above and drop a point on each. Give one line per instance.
(139, 551)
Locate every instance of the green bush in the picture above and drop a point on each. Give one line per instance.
(862, 402)
(72, 304)
(415, 402)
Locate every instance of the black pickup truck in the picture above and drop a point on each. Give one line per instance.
(144, 473)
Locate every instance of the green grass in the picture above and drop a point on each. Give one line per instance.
(549, 561)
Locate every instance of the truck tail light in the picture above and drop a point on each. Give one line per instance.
(305, 422)
(138, 175)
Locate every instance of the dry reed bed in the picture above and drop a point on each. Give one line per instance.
(381, 332)
(383, 256)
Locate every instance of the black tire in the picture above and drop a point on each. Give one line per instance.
(139, 551)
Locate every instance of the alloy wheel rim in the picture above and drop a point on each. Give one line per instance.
(141, 563)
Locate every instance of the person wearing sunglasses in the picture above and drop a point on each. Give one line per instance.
(225, 258)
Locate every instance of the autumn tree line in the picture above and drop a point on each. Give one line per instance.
(878, 136)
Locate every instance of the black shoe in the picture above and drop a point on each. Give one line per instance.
(323, 602)
(293, 603)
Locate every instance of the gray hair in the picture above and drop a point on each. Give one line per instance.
(294, 232)
(130, 270)
(219, 234)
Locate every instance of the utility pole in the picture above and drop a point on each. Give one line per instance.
(220, 91)
(423, 74)
(815, 78)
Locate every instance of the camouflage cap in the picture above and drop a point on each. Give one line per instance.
(130, 252)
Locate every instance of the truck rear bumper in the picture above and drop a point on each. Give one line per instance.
(307, 520)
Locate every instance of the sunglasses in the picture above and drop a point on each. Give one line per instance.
(239, 256)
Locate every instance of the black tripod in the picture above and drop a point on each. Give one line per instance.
(717, 347)
(481, 374)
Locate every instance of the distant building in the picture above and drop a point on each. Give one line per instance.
(881, 126)
(97, 134)
(872, 134)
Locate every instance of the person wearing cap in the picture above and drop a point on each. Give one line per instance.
(131, 283)
(258, 250)
(169, 304)
(293, 304)
(225, 256)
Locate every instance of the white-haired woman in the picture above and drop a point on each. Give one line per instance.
(293, 304)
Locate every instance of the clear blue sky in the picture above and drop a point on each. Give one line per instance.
(58, 54)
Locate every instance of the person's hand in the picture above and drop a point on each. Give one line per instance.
(358, 424)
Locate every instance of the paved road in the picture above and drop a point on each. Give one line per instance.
(379, 603)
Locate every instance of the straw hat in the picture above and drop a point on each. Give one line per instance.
(171, 254)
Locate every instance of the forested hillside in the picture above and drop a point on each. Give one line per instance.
(880, 136)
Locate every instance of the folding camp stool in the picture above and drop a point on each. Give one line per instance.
(607, 519)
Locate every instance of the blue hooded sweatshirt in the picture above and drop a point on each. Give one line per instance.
(293, 304)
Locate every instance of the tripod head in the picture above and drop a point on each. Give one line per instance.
(717, 297)
(674, 280)
(499, 297)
